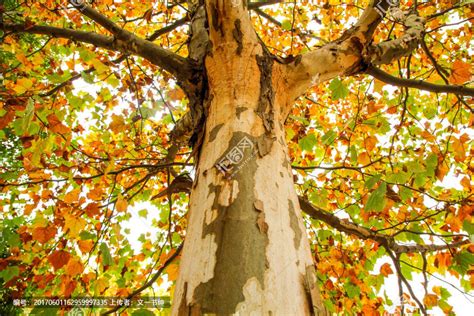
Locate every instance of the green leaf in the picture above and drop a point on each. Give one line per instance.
(26, 119)
(369, 184)
(10, 237)
(405, 193)
(352, 290)
(308, 142)
(143, 213)
(376, 201)
(353, 153)
(85, 235)
(338, 89)
(142, 312)
(399, 177)
(468, 227)
(9, 273)
(286, 25)
(106, 257)
(45, 311)
(464, 261)
(329, 137)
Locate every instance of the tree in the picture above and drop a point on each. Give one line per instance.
(354, 113)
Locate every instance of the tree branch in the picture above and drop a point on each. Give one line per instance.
(167, 60)
(168, 28)
(343, 56)
(122, 41)
(258, 5)
(386, 52)
(95, 39)
(365, 233)
(418, 84)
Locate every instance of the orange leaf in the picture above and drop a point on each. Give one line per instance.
(430, 300)
(121, 204)
(370, 143)
(58, 259)
(72, 196)
(117, 124)
(85, 245)
(92, 209)
(386, 269)
(172, 272)
(363, 159)
(55, 125)
(44, 234)
(460, 73)
(74, 267)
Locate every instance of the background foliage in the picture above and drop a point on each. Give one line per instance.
(84, 141)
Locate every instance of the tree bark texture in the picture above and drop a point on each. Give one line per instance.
(246, 250)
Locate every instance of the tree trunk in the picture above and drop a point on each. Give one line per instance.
(246, 249)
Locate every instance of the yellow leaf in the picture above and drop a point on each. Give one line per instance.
(74, 224)
(99, 66)
(22, 85)
(378, 85)
(101, 285)
(72, 196)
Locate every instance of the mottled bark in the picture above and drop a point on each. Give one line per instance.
(246, 249)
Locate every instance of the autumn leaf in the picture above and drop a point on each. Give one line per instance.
(386, 269)
(72, 196)
(44, 234)
(73, 267)
(460, 73)
(74, 225)
(430, 300)
(22, 85)
(121, 204)
(85, 245)
(172, 272)
(59, 258)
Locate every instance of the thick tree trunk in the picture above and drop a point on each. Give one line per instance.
(246, 249)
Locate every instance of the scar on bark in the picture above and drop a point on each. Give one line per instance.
(239, 111)
(237, 34)
(214, 132)
(294, 224)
